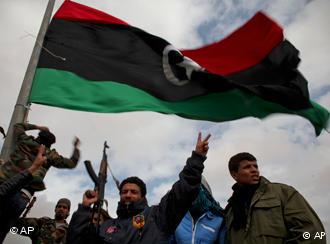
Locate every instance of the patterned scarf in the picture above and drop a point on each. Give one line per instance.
(204, 203)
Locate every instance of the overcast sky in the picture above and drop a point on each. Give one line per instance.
(155, 146)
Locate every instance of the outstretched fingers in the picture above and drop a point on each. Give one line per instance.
(202, 146)
(207, 138)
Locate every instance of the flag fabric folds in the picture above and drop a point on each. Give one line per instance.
(92, 61)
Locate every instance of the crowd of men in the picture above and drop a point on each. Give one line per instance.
(258, 211)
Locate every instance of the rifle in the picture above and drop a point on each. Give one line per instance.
(99, 181)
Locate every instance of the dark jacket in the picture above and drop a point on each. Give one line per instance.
(158, 222)
(14, 184)
(8, 190)
(277, 214)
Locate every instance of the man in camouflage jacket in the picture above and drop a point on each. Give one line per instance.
(27, 148)
(25, 151)
(45, 229)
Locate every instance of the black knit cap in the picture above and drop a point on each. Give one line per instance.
(64, 201)
(137, 181)
(46, 138)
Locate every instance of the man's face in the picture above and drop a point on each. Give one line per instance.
(130, 193)
(61, 211)
(247, 174)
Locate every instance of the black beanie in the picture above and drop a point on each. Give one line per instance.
(137, 181)
(46, 138)
(64, 201)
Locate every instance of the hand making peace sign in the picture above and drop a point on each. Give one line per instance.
(202, 146)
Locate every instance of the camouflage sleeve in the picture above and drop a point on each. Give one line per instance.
(25, 224)
(58, 161)
(20, 128)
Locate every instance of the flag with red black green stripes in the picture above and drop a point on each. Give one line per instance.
(92, 61)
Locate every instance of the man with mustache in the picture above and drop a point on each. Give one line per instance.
(137, 222)
(45, 229)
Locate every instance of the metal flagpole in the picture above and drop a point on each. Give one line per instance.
(22, 107)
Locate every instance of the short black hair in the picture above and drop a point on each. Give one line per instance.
(46, 138)
(235, 160)
(134, 180)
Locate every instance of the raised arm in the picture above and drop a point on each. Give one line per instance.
(58, 161)
(21, 179)
(175, 204)
(20, 128)
(80, 228)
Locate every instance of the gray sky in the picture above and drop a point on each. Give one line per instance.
(155, 146)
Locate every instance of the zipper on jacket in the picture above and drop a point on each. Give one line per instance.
(194, 227)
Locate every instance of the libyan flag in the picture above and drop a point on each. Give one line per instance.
(92, 61)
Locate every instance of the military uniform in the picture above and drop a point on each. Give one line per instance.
(24, 154)
(46, 230)
(26, 149)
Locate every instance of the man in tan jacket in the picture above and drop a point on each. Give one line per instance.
(263, 212)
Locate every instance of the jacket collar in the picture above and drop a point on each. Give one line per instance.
(261, 190)
(131, 209)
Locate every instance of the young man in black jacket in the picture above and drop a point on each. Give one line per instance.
(136, 221)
